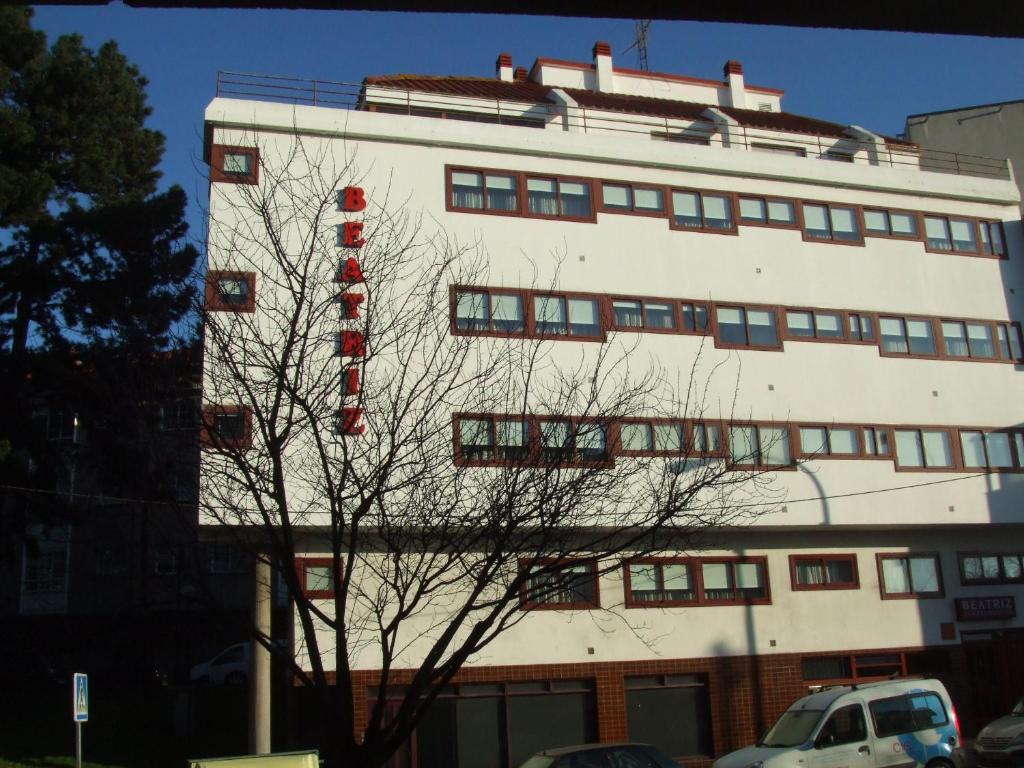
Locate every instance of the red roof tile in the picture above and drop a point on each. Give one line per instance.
(529, 91)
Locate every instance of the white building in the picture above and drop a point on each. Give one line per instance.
(863, 317)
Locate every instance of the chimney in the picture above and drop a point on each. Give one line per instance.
(734, 79)
(603, 67)
(503, 67)
(520, 74)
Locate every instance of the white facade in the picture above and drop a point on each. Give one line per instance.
(856, 508)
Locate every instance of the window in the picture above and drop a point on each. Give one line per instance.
(230, 291)
(165, 561)
(683, 137)
(234, 165)
(660, 583)
(489, 311)
(563, 441)
(844, 726)
(815, 324)
(861, 327)
(566, 316)
(316, 576)
(746, 327)
(810, 572)
(226, 427)
(778, 149)
(760, 210)
(992, 568)
(475, 190)
(828, 441)
(890, 223)
(910, 576)
(923, 449)
(759, 446)
(651, 315)
(831, 222)
(558, 197)
(671, 713)
(967, 339)
(560, 585)
(626, 197)
(703, 211)
(223, 557)
(869, 666)
(61, 424)
(876, 441)
(1008, 335)
(907, 713)
(489, 438)
(666, 582)
(695, 317)
(907, 336)
(838, 155)
(943, 233)
(992, 238)
(991, 450)
(497, 724)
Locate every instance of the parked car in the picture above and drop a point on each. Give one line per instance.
(601, 756)
(229, 667)
(1000, 744)
(905, 723)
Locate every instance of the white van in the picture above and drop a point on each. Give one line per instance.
(892, 724)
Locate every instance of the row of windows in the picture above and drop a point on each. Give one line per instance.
(511, 193)
(486, 439)
(589, 317)
(660, 582)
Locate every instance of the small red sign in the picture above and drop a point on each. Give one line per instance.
(985, 608)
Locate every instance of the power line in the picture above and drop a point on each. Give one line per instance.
(102, 499)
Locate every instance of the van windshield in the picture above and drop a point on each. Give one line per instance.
(1019, 709)
(792, 729)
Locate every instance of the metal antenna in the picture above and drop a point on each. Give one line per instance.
(640, 27)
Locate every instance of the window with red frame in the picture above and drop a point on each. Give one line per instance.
(234, 165)
(992, 568)
(489, 311)
(560, 585)
(226, 426)
(230, 291)
(906, 575)
(810, 572)
(660, 582)
(317, 577)
(706, 211)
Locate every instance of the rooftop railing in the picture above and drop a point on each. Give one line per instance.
(340, 95)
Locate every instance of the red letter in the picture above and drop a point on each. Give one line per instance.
(351, 302)
(351, 272)
(353, 199)
(352, 344)
(352, 381)
(349, 417)
(352, 235)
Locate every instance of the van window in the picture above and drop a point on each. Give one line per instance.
(792, 729)
(844, 726)
(907, 713)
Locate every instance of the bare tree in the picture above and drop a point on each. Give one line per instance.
(432, 554)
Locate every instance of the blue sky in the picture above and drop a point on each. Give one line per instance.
(873, 79)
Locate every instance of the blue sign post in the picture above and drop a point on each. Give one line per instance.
(80, 709)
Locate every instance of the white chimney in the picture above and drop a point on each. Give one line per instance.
(503, 67)
(603, 67)
(734, 79)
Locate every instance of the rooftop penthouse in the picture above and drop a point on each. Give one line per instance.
(601, 98)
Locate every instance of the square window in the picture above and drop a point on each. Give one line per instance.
(910, 575)
(230, 291)
(234, 165)
(226, 427)
(560, 586)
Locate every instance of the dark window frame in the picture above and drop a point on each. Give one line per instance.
(730, 200)
(633, 210)
(208, 437)
(912, 594)
(218, 152)
(697, 579)
(759, 465)
(713, 309)
(823, 559)
(527, 604)
(316, 594)
(1002, 578)
(215, 301)
(765, 200)
(858, 221)
(533, 453)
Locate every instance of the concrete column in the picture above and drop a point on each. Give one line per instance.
(259, 661)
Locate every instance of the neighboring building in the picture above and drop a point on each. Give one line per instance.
(987, 132)
(871, 305)
(100, 536)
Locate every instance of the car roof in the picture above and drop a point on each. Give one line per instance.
(559, 751)
(823, 699)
